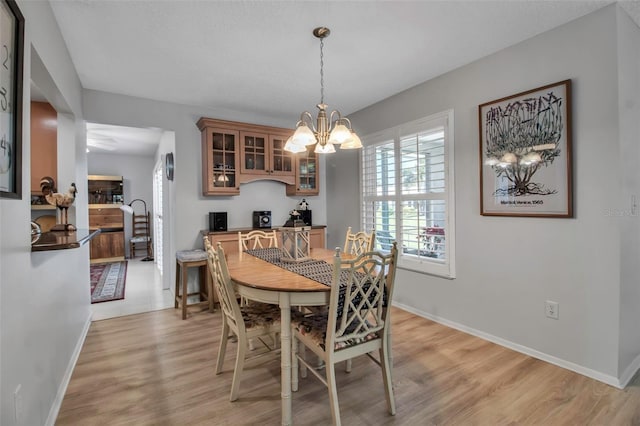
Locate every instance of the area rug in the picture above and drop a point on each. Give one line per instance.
(107, 281)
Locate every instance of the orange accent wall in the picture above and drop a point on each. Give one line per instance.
(44, 144)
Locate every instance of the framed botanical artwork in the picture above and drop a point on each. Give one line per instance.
(525, 153)
(11, 56)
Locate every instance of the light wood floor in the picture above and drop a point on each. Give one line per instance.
(155, 369)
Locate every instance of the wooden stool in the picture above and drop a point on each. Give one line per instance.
(186, 259)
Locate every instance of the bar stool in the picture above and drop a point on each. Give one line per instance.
(186, 259)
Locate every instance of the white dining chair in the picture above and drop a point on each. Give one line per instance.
(251, 322)
(257, 239)
(357, 323)
(359, 242)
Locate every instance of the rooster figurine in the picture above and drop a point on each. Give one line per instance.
(63, 201)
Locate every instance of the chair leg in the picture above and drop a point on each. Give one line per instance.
(330, 369)
(223, 345)
(347, 366)
(210, 290)
(386, 377)
(177, 292)
(294, 362)
(185, 291)
(237, 372)
(303, 368)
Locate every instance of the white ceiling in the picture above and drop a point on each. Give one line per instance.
(261, 56)
(104, 138)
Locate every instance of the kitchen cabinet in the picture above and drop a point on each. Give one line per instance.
(108, 246)
(229, 239)
(263, 157)
(220, 158)
(105, 196)
(235, 153)
(306, 171)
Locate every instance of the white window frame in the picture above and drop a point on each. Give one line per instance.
(438, 267)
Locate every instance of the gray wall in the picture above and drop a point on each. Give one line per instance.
(44, 297)
(508, 267)
(629, 119)
(137, 172)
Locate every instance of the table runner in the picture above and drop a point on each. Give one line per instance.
(317, 270)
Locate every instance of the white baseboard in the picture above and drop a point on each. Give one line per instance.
(62, 389)
(601, 377)
(630, 371)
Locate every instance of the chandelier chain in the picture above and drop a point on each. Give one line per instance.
(321, 71)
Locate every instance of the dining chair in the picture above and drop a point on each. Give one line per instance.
(254, 321)
(357, 322)
(140, 234)
(254, 240)
(257, 239)
(359, 242)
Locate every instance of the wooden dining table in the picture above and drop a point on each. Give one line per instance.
(262, 281)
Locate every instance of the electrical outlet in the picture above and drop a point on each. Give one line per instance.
(17, 404)
(551, 309)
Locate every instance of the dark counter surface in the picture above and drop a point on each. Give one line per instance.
(62, 240)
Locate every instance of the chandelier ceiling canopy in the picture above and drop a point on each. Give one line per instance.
(328, 130)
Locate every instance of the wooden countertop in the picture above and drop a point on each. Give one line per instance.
(62, 240)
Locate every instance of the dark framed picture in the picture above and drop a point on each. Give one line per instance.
(525, 153)
(11, 57)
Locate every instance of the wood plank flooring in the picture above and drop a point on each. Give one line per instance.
(156, 369)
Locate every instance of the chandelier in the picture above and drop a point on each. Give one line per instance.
(327, 130)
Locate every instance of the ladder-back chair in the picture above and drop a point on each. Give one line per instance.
(139, 234)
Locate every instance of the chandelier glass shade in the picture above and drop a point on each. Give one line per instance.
(328, 130)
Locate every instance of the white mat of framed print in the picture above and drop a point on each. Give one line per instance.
(525, 153)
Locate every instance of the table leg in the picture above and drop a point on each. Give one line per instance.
(285, 357)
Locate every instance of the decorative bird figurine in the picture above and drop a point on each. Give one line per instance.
(63, 201)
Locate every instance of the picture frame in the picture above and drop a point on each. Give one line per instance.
(11, 70)
(525, 153)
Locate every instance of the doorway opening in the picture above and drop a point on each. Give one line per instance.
(133, 154)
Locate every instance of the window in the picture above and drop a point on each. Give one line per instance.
(407, 187)
(157, 216)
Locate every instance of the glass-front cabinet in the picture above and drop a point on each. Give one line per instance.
(105, 189)
(283, 162)
(306, 174)
(235, 153)
(263, 157)
(254, 153)
(220, 157)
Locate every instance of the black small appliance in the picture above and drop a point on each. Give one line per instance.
(217, 221)
(305, 216)
(262, 219)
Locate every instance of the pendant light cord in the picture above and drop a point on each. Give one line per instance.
(321, 71)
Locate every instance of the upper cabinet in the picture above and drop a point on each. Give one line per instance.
(306, 168)
(105, 190)
(235, 153)
(220, 159)
(263, 157)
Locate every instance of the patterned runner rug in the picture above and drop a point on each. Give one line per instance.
(107, 281)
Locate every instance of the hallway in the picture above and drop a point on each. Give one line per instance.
(143, 293)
